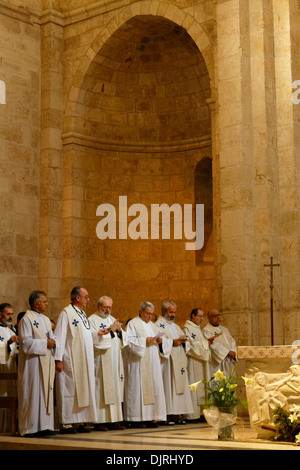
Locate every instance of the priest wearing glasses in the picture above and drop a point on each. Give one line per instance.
(36, 369)
(74, 358)
(223, 348)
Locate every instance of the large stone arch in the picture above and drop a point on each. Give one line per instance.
(152, 161)
(193, 28)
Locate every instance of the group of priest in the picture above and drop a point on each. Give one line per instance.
(106, 375)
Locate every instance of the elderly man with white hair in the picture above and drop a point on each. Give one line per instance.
(109, 370)
(144, 403)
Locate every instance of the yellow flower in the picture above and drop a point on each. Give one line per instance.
(219, 375)
(221, 389)
(233, 386)
(195, 385)
(247, 380)
(293, 417)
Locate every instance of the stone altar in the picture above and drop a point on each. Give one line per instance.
(275, 374)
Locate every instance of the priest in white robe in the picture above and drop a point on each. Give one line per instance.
(144, 401)
(109, 369)
(174, 366)
(74, 357)
(224, 348)
(198, 361)
(36, 369)
(8, 363)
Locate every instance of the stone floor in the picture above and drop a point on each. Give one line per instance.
(184, 438)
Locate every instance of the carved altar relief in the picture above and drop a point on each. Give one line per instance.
(269, 390)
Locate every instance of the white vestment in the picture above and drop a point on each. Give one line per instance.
(75, 405)
(220, 349)
(144, 391)
(8, 354)
(174, 370)
(109, 370)
(198, 365)
(35, 413)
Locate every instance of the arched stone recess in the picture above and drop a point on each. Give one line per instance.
(168, 11)
(137, 123)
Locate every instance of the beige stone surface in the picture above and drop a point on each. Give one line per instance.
(170, 101)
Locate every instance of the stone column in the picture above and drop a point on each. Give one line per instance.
(236, 255)
(216, 200)
(51, 164)
(265, 194)
(75, 267)
(286, 43)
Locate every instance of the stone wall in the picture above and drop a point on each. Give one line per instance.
(19, 156)
(130, 270)
(128, 98)
(258, 177)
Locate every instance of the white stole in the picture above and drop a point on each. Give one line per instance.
(5, 334)
(145, 363)
(178, 356)
(106, 360)
(194, 332)
(47, 366)
(78, 357)
(221, 345)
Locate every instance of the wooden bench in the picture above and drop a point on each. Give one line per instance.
(10, 402)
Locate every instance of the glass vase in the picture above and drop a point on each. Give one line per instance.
(225, 424)
(222, 420)
(225, 433)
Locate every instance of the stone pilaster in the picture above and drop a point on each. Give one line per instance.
(236, 255)
(51, 164)
(265, 191)
(286, 43)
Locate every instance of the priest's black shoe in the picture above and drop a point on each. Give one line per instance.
(69, 430)
(83, 429)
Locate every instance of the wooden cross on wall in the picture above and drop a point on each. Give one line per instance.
(271, 266)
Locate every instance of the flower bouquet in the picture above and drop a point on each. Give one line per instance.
(286, 425)
(220, 407)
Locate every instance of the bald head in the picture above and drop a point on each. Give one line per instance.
(214, 317)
